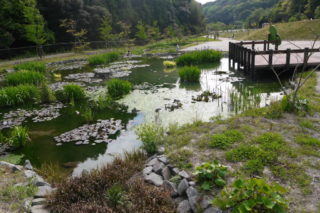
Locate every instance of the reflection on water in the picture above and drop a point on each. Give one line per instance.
(237, 95)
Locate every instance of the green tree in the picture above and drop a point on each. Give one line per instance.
(154, 31)
(317, 12)
(141, 33)
(106, 29)
(125, 29)
(35, 30)
(79, 35)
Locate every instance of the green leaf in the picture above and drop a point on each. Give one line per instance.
(249, 204)
(206, 186)
(220, 182)
(267, 202)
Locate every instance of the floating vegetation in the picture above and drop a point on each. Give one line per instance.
(176, 104)
(87, 77)
(169, 64)
(97, 133)
(17, 117)
(206, 96)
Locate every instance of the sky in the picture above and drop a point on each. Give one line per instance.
(204, 1)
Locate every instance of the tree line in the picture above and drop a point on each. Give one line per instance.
(27, 22)
(254, 13)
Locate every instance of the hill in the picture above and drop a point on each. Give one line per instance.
(253, 13)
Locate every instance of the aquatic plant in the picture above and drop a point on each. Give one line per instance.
(73, 92)
(87, 114)
(36, 66)
(24, 77)
(169, 64)
(19, 137)
(189, 74)
(117, 88)
(199, 57)
(103, 58)
(85, 193)
(209, 174)
(252, 195)
(47, 95)
(19, 95)
(151, 136)
(52, 172)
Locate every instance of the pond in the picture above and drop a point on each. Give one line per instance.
(158, 96)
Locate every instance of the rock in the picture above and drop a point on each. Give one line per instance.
(43, 191)
(13, 167)
(39, 209)
(175, 171)
(192, 192)
(170, 187)
(184, 174)
(153, 162)
(184, 207)
(38, 201)
(182, 187)
(193, 203)
(161, 150)
(212, 210)
(27, 205)
(27, 165)
(30, 174)
(163, 159)
(157, 167)
(206, 202)
(147, 170)
(192, 183)
(154, 179)
(166, 174)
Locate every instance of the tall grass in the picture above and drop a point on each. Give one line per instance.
(104, 58)
(118, 88)
(19, 137)
(24, 77)
(19, 95)
(190, 74)
(73, 92)
(32, 66)
(199, 57)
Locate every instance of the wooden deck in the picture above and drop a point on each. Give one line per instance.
(251, 56)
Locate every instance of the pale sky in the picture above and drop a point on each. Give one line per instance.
(204, 1)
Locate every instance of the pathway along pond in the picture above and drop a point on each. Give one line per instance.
(158, 95)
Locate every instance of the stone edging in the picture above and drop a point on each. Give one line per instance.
(158, 171)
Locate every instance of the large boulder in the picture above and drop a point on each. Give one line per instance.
(184, 207)
(154, 179)
(166, 173)
(182, 187)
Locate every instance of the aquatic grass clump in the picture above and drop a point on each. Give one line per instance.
(19, 137)
(117, 88)
(19, 95)
(36, 66)
(24, 77)
(152, 136)
(103, 58)
(199, 57)
(73, 92)
(169, 64)
(189, 74)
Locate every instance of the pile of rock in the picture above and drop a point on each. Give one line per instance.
(38, 203)
(98, 133)
(176, 104)
(17, 117)
(159, 172)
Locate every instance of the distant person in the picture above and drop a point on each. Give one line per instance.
(178, 48)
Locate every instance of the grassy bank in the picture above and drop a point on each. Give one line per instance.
(268, 143)
(301, 30)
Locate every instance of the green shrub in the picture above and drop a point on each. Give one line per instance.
(274, 111)
(72, 92)
(24, 77)
(32, 66)
(252, 195)
(306, 124)
(253, 167)
(19, 137)
(189, 74)
(19, 95)
(225, 140)
(209, 174)
(308, 141)
(115, 195)
(118, 88)
(103, 58)
(270, 141)
(243, 153)
(151, 136)
(199, 57)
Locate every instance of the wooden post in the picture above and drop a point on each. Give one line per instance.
(229, 55)
(306, 54)
(288, 58)
(253, 45)
(238, 57)
(245, 65)
(270, 57)
(268, 45)
(264, 45)
(233, 57)
(253, 65)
